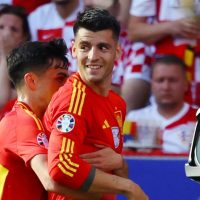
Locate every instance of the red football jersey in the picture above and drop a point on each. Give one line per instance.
(21, 138)
(78, 118)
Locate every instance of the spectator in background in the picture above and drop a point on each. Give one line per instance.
(55, 20)
(123, 15)
(175, 33)
(136, 77)
(14, 30)
(175, 117)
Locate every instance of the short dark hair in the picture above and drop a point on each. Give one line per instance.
(36, 57)
(19, 12)
(96, 19)
(169, 59)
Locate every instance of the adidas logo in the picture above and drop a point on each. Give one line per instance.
(105, 124)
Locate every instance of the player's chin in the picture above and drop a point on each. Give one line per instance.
(94, 75)
(94, 79)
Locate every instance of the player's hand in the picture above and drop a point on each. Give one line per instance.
(105, 159)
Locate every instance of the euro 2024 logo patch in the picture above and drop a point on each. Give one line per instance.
(65, 123)
(42, 140)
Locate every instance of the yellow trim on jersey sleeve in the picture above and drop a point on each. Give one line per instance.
(68, 167)
(37, 121)
(78, 97)
(31, 114)
(64, 171)
(3, 174)
(62, 159)
(70, 162)
(73, 96)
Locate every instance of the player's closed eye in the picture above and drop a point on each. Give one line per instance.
(61, 79)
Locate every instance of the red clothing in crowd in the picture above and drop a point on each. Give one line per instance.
(29, 5)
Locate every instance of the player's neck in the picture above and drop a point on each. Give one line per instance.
(37, 109)
(101, 88)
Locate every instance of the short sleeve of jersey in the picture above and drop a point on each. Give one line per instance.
(143, 8)
(31, 139)
(68, 127)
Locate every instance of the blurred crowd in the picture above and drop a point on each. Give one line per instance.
(158, 72)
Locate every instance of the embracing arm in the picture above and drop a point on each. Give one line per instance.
(39, 166)
(102, 183)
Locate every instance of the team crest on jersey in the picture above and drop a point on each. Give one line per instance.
(118, 117)
(65, 123)
(116, 136)
(42, 140)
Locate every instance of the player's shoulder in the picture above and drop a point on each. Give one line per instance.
(117, 98)
(24, 116)
(115, 95)
(72, 90)
(73, 83)
(9, 118)
(76, 82)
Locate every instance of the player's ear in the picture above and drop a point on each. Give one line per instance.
(30, 80)
(73, 49)
(118, 52)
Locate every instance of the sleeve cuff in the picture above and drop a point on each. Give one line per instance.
(86, 185)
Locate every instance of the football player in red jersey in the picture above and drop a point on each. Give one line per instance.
(86, 115)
